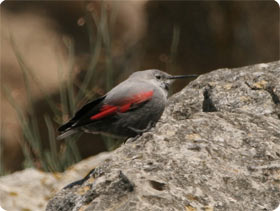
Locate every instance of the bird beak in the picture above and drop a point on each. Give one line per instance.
(182, 76)
(171, 79)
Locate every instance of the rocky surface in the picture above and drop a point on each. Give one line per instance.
(30, 189)
(217, 147)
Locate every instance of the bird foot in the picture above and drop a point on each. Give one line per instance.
(139, 132)
(130, 140)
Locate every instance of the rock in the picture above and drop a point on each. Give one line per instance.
(31, 189)
(217, 147)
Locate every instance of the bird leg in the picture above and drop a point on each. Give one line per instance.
(132, 139)
(140, 132)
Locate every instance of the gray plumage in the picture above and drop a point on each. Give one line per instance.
(129, 109)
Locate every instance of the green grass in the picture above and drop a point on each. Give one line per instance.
(59, 155)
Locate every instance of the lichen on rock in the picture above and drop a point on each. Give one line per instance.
(216, 147)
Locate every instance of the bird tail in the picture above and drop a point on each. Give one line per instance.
(66, 134)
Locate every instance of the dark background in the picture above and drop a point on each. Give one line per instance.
(210, 35)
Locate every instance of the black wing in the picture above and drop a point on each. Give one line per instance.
(91, 107)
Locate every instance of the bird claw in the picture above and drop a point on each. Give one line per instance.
(139, 132)
(130, 140)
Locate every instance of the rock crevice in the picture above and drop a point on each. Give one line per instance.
(216, 148)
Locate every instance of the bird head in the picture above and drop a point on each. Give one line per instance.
(159, 78)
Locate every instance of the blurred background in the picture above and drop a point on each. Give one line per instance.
(57, 55)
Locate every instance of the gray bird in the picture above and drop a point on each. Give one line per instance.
(128, 110)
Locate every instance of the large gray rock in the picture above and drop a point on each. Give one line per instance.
(31, 189)
(217, 147)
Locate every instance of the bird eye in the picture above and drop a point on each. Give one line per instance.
(158, 76)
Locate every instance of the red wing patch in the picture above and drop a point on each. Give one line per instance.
(139, 98)
(108, 110)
